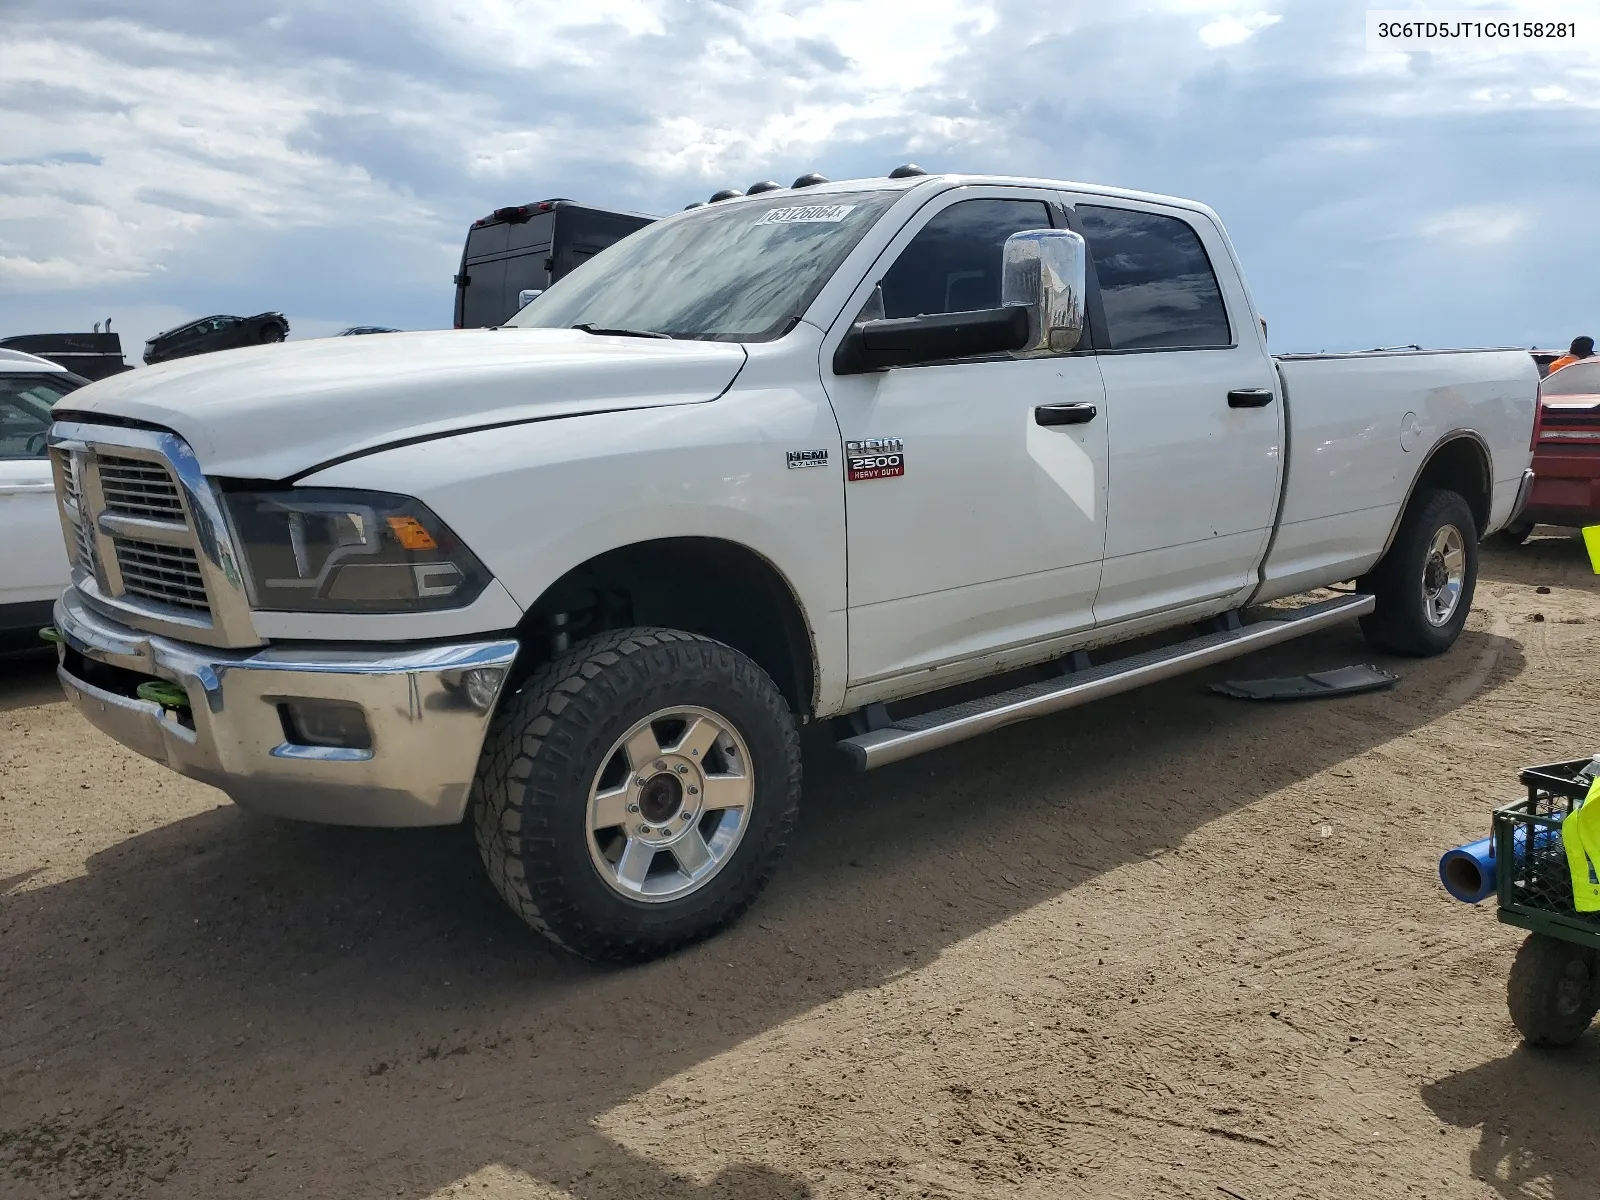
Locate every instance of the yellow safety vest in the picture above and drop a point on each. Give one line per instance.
(1580, 837)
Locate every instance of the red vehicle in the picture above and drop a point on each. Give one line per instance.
(1566, 452)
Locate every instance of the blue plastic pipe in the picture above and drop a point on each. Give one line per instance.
(1467, 872)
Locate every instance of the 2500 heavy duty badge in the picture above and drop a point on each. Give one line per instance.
(874, 458)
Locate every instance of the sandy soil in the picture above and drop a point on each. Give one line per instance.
(1172, 945)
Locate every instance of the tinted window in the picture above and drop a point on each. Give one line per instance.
(1575, 379)
(953, 265)
(25, 402)
(1156, 282)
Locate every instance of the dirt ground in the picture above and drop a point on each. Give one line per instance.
(1169, 945)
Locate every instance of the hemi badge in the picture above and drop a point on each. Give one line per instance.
(807, 458)
(874, 458)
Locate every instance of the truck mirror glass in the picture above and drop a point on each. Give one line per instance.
(1045, 271)
(527, 296)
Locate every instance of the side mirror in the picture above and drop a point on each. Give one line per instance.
(1045, 271)
(1042, 286)
(527, 295)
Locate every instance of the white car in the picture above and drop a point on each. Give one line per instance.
(33, 563)
(810, 454)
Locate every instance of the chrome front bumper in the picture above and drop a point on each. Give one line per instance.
(427, 725)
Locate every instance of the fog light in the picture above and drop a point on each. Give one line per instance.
(325, 723)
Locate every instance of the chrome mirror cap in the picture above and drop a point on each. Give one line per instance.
(1045, 271)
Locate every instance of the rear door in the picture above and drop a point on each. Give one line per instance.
(1196, 435)
(35, 560)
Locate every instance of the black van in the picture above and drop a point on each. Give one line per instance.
(527, 248)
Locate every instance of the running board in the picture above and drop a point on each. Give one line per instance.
(929, 731)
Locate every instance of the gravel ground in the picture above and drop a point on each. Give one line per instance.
(1169, 945)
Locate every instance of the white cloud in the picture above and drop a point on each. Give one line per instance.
(1231, 30)
(1476, 224)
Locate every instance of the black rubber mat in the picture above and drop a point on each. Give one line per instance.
(1342, 681)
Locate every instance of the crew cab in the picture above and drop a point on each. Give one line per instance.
(778, 459)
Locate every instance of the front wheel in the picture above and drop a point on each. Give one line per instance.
(1424, 584)
(635, 796)
(1552, 992)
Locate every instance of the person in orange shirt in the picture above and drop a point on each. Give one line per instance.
(1581, 348)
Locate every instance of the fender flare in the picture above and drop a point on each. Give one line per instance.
(1454, 435)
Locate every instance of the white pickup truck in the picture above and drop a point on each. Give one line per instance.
(798, 455)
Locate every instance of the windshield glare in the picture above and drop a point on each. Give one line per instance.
(1578, 379)
(744, 273)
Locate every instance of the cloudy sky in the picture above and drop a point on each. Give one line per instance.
(164, 159)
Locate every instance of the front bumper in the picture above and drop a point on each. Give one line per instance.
(427, 724)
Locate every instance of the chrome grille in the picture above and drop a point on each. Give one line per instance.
(165, 574)
(150, 548)
(83, 546)
(69, 473)
(135, 487)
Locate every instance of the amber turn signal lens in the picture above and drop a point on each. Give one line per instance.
(408, 531)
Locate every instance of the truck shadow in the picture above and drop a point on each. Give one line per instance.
(28, 678)
(245, 1008)
(1535, 1112)
(1552, 555)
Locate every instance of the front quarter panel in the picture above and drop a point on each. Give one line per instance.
(535, 500)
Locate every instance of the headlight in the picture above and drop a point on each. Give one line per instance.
(320, 550)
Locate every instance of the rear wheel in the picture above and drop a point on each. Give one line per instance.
(636, 794)
(1552, 992)
(1424, 584)
(272, 332)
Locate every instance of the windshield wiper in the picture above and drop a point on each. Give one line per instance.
(591, 327)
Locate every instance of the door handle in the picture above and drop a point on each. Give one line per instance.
(1249, 397)
(1064, 414)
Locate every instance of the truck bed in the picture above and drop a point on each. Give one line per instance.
(1356, 424)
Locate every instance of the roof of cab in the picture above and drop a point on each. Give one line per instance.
(935, 183)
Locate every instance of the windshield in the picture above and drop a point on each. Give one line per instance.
(25, 403)
(1578, 379)
(743, 273)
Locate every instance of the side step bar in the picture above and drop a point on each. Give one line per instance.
(929, 731)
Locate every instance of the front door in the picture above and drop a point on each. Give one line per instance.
(971, 526)
(1195, 416)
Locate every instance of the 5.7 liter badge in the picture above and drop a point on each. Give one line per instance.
(874, 458)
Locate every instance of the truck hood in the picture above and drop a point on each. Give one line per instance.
(276, 411)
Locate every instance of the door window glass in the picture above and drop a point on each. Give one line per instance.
(25, 402)
(953, 264)
(1156, 283)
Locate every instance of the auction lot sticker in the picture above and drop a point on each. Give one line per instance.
(874, 458)
(807, 214)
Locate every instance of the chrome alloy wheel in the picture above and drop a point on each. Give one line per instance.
(1443, 574)
(669, 804)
